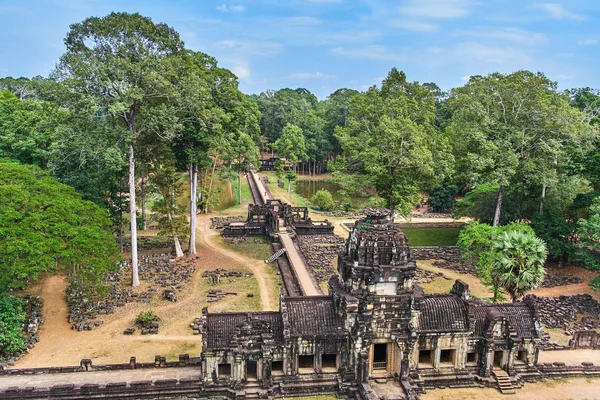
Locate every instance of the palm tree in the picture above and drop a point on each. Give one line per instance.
(519, 262)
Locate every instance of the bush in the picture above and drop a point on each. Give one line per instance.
(324, 200)
(441, 198)
(146, 318)
(12, 318)
(595, 283)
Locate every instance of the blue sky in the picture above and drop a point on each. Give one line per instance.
(324, 45)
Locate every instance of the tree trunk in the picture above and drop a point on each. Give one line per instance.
(135, 279)
(193, 206)
(543, 196)
(289, 185)
(178, 250)
(212, 177)
(143, 193)
(240, 186)
(498, 206)
(121, 213)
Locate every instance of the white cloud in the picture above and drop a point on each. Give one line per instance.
(373, 52)
(558, 12)
(511, 34)
(465, 78)
(490, 54)
(231, 8)
(261, 48)
(413, 25)
(241, 70)
(436, 9)
(308, 75)
(588, 42)
(564, 77)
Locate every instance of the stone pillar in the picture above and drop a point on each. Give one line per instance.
(436, 356)
(511, 361)
(489, 362)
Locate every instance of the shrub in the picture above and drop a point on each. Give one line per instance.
(595, 283)
(324, 200)
(441, 198)
(12, 317)
(146, 318)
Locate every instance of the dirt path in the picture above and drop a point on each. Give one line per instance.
(566, 389)
(570, 290)
(61, 346)
(206, 237)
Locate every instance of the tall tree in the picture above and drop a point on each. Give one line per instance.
(126, 64)
(511, 129)
(390, 138)
(291, 145)
(46, 227)
(519, 262)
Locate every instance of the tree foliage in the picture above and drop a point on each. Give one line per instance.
(519, 262)
(390, 137)
(46, 227)
(12, 318)
(323, 199)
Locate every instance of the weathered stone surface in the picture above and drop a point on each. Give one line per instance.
(320, 251)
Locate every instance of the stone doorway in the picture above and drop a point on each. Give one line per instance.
(380, 357)
(251, 369)
(498, 359)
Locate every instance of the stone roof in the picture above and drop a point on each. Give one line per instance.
(443, 313)
(222, 327)
(520, 318)
(312, 316)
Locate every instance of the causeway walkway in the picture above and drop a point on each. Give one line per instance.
(307, 283)
(304, 276)
(98, 377)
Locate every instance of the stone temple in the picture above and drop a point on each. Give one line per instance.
(375, 329)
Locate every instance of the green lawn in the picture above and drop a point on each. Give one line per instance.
(256, 247)
(431, 236)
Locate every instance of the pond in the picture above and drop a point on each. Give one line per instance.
(432, 236)
(226, 195)
(307, 189)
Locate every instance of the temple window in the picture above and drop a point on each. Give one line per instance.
(329, 361)
(277, 367)
(471, 358)
(447, 357)
(306, 363)
(425, 359)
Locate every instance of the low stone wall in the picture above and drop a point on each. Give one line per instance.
(221, 222)
(458, 225)
(448, 253)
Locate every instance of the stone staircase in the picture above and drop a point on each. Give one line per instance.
(504, 383)
(275, 256)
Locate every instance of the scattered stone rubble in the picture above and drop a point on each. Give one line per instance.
(570, 313)
(221, 222)
(553, 280)
(197, 325)
(149, 243)
(320, 251)
(457, 267)
(158, 270)
(424, 276)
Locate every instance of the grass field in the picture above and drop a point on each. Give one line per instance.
(431, 236)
